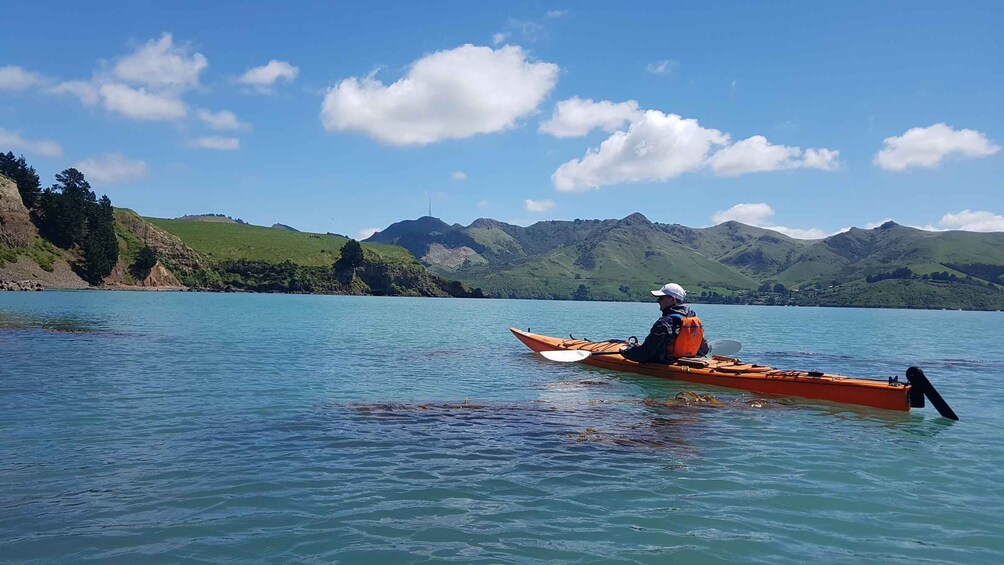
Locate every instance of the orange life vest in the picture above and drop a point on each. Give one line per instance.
(688, 341)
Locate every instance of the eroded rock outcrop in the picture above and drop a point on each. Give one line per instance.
(160, 277)
(170, 249)
(16, 229)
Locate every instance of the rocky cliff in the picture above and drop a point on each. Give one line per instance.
(170, 249)
(16, 229)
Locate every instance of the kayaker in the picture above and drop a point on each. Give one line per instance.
(678, 333)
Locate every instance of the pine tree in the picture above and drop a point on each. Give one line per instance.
(23, 175)
(101, 249)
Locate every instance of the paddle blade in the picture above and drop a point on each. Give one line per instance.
(724, 347)
(566, 355)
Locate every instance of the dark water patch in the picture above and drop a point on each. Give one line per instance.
(646, 423)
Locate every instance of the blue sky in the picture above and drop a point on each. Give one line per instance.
(808, 118)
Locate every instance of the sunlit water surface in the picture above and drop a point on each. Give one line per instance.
(190, 427)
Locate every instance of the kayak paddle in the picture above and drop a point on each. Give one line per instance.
(720, 347)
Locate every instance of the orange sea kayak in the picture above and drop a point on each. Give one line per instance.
(733, 373)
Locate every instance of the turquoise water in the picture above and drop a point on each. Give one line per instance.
(189, 427)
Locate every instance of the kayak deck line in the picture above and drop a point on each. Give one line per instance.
(734, 373)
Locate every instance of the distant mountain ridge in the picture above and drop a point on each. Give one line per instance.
(622, 259)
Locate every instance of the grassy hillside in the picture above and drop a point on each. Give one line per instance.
(913, 294)
(855, 254)
(612, 260)
(730, 262)
(220, 241)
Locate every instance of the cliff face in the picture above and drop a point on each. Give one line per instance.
(171, 250)
(16, 229)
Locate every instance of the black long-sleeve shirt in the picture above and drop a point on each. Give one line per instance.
(661, 337)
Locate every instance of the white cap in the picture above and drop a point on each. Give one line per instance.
(672, 289)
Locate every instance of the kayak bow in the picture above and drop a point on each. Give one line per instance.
(734, 373)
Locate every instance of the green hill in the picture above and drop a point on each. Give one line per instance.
(730, 262)
(247, 257)
(223, 241)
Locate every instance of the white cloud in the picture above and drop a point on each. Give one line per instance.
(927, 147)
(484, 204)
(451, 94)
(822, 159)
(12, 141)
(222, 120)
(749, 214)
(159, 64)
(216, 142)
(663, 67)
(85, 91)
(656, 147)
(576, 117)
(557, 13)
(756, 154)
(499, 38)
(138, 104)
(145, 85)
(458, 176)
(523, 31)
(264, 78)
(759, 215)
(366, 233)
(16, 78)
(873, 225)
(110, 168)
(538, 205)
(524, 222)
(969, 220)
(798, 233)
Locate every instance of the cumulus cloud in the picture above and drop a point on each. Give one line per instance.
(160, 64)
(928, 147)
(576, 117)
(822, 159)
(87, 92)
(657, 146)
(366, 233)
(538, 205)
(16, 78)
(499, 38)
(749, 214)
(969, 220)
(458, 176)
(263, 78)
(111, 168)
(216, 142)
(12, 140)
(450, 94)
(663, 67)
(138, 104)
(759, 215)
(145, 85)
(756, 154)
(222, 120)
